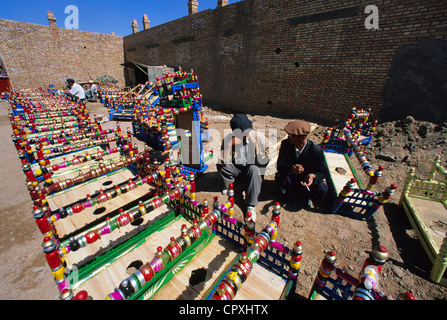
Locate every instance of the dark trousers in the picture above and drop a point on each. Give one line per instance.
(289, 186)
(246, 177)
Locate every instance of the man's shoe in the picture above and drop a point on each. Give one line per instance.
(307, 204)
(252, 210)
(283, 200)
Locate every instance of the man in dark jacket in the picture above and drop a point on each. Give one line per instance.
(301, 166)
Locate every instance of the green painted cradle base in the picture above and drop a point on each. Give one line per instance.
(172, 269)
(271, 286)
(79, 276)
(425, 203)
(85, 277)
(210, 252)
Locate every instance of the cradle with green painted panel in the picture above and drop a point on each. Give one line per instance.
(424, 202)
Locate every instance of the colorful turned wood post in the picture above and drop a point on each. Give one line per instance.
(275, 218)
(375, 178)
(40, 154)
(406, 296)
(249, 231)
(205, 208)
(165, 139)
(344, 193)
(47, 177)
(434, 167)
(440, 263)
(326, 136)
(53, 168)
(243, 267)
(324, 272)
(44, 224)
(215, 202)
(55, 261)
(295, 264)
(230, 194)
(17, 143)
(368, 282)
(37, 196)
(406, 189)
(384, 196)
(192, 183)
(230, 285)
(378, 257)
(369, 275)
(29, 174)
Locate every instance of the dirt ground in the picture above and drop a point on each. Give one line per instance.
(25, 275)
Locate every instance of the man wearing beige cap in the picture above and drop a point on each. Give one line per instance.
(301, 167)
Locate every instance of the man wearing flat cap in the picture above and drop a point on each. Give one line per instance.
(301, 167)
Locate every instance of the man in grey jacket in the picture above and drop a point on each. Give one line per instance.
(245, 158)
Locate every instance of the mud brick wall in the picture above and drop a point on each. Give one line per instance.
(309, 59)
(36, 55)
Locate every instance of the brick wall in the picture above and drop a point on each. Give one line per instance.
(303, 59)
(36, 55)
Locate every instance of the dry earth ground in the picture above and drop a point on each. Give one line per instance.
(25, 274)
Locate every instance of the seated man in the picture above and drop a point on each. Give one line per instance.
(245, 158)
(92, 92)
(301, 166)
(75, 90)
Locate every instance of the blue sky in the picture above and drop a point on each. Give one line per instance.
(102, 16)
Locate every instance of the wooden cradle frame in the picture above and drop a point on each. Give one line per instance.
(434, 195)
(275, 257)
(359, 202)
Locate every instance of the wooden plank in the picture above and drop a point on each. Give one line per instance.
(214, 258)
(110, 276)
(58, 159)
(262, 284)
(434, 216)
(337, 163)
(73, 195)
(74, 170)
(76, 221)
(190, 147)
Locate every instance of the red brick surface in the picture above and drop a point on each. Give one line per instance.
(248, 55)
(36, 55)
(321, 69)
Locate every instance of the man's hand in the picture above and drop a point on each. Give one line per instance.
(297, 169)
(236, 141)
(308, 180)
